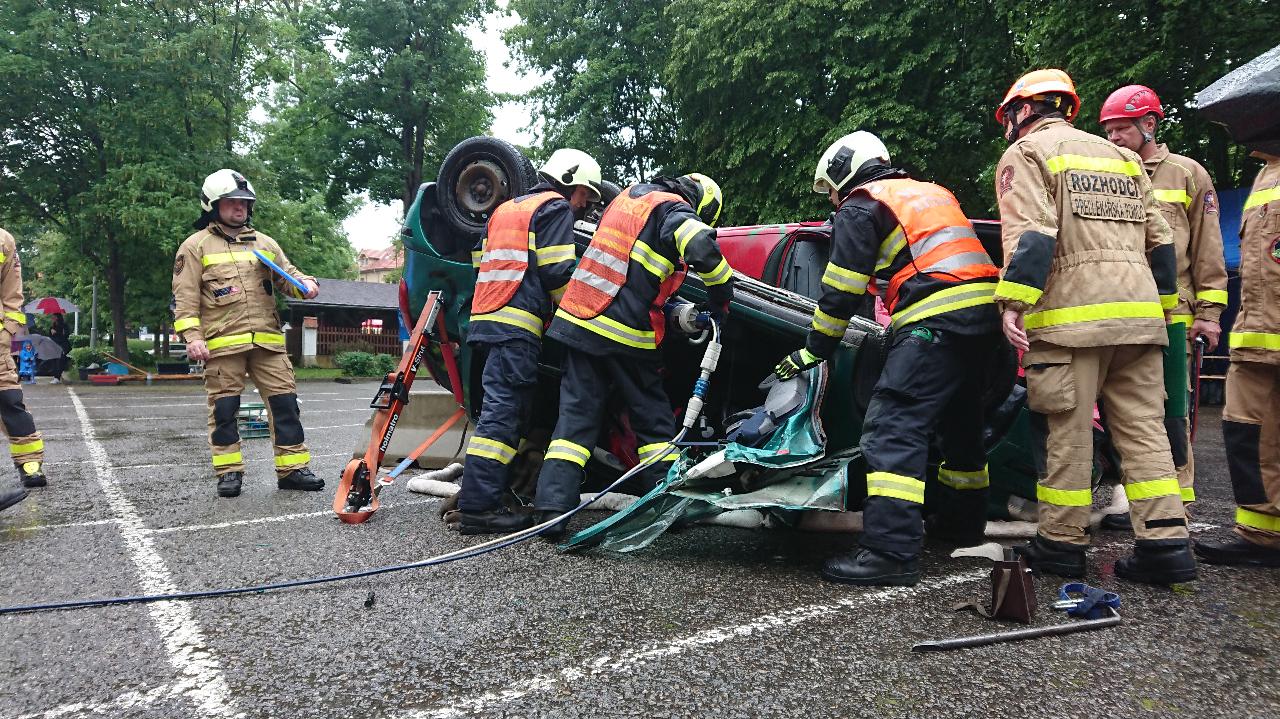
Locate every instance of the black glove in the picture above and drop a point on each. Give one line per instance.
(795, 363)
(719, 311)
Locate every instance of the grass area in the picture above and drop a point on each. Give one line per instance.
(316, 372)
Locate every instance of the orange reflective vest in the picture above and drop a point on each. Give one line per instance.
(941, 239)
(506, 252)
(602, 271)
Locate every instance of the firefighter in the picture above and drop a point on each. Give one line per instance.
(1185, 197)
(910, 242)
(1251, 418)
(510, 309)
(611, 323)
(25, 443)
(1089, 277)
(225, 310)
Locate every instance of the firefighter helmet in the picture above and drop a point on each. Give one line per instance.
(1132, 102)
(225, 184)
(842, 160)
(570, 167)
(1040, 85)
(708, 201)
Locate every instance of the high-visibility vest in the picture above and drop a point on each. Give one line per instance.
(941, 239)
(506, 251)
(602, 271)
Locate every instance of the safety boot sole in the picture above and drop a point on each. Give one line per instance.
(1260, 558)
(909, 579)
(12, 499)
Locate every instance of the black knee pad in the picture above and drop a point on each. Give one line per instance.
(1243, 460)
(1176, 428)
(225, 430)
(17, 420)
(284, 413)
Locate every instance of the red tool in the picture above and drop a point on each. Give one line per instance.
(1197, 362)
(357, 497)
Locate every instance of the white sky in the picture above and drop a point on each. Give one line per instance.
(374, 225)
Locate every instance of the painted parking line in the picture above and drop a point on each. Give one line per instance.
(202, 679)
(115, 707)
(631, 659)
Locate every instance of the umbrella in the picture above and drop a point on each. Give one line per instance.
(1247, 102)
(44, 346)
(50, 306)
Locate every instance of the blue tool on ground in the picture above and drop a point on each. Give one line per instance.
(1082, 600)
(280, 271)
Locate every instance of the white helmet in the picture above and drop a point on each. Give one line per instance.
(573, 167)
(844, 158)
(225, 184)
(709, 198)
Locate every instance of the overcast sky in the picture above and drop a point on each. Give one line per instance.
(374, 225)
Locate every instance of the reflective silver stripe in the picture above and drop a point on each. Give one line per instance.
(956, 262)
(491, 449)
(845, 280)
(500, 276)
(598, 255)
(555, 255)
(513, 316)
(952, 298)
(591, 279)
(890, 248)
(719, 275)
(941, 237)
(514, 255)
(567, 451)
(686, 232)
(652, 261)
(829, 325)
(613, 330)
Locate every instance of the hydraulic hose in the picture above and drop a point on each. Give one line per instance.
(710, 359)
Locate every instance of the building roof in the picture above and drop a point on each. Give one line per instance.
(387, 258)
(345, 293)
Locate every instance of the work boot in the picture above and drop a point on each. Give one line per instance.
(32, 474)
(1237, 551)
(1046, 555)
(496, 521)
(11, 497)
(1157, 564)
(229, 484)
(868, 567)
(956, 531)
(301, 479)
(1117, 522)
(555, 533)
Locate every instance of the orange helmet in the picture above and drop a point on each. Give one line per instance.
(1038, 83)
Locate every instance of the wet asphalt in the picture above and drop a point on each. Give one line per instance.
(709, 622)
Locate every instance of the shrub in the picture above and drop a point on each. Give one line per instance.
(84, 356)
(138, 350)
(357, 346)
(79, 340)
(365, 364)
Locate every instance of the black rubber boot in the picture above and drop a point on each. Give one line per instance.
(498, 521)
(11, 497)
(1237, 551)
(301, 479)
(1158, 564)
(866, 567)
(1060, 558)
(1117, 522)
(556, 532)
(229, 484)
(32, 474)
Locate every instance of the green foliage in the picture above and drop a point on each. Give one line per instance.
(78, 340)
(139, 353)
(83, 356)
(365, 364)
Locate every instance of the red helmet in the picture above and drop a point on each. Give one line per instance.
(1133, 102)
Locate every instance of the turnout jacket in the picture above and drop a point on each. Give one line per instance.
(1255, 334)
(1185, 197)
(550, 264)
(11, 284)
(1088, 256)
(224, 295)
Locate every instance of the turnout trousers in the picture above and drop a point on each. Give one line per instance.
(272, 374)
(1062, 385)
(1251, 432)
(585, 388)
(933, 380)
(509, 377)
(25, 443)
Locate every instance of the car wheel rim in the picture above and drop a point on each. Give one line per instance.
(481, 187)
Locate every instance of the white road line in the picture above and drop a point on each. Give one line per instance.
(69, 525)
(114, 707)
(204, 417)
(203, 680)
(634, 658)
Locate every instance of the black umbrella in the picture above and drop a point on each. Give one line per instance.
(1247, 102)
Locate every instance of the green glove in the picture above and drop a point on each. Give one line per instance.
(795, 363)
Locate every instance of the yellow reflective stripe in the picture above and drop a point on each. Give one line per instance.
(1093, 313)
(845, 280)
(1064, 497)
(897, 486)
(491, 449)
(185, 323)
(889, 249)
(829, 325)
(1257, 520)
(1018, 292)
(262, 338)
(686, 232)
(1254, 340)
(288, 460)
(1261, 197)
(652, 261)
(1153, 489)
(3, 257)
(476, 257)
(1218, 297)
(567, 451)
(1168, 302)
(1095, 164)
(1177, 197)
(1188, 494)
(222, 460)
(558, 292)
(964, 480)
(555, 254)
(515, 317)
(614, 330)
(951, 299)
(717, 276)
(27, 448)
(18, 317)
(217, 258)
(1181, 319)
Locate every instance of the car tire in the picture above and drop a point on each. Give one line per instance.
(476, 176)
(595, 210)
